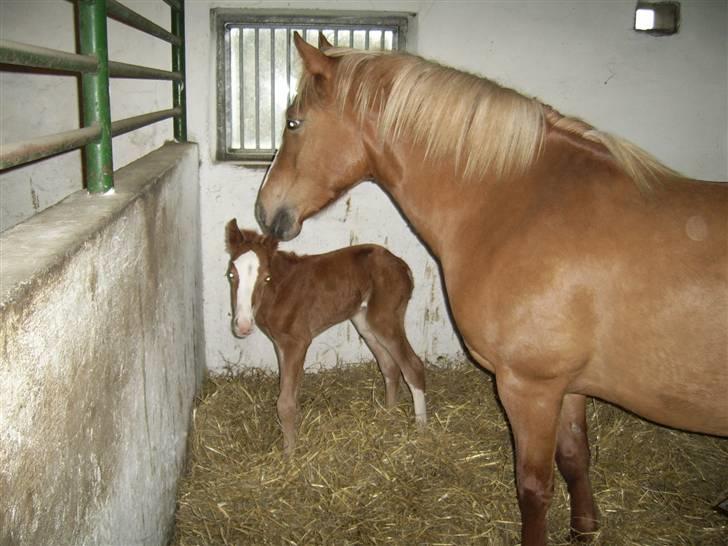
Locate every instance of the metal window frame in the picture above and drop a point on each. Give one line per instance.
(224, 18)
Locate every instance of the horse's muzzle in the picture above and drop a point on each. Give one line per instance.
(283, 226)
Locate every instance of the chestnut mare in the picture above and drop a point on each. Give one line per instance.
(295, 298)
(575, 264)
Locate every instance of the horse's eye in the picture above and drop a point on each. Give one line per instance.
(293, 124)
(230, 275)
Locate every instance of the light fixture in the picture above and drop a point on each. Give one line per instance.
(658, 18)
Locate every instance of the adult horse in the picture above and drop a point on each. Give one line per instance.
(575, 264)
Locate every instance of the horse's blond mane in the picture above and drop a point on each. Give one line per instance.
(487, 128)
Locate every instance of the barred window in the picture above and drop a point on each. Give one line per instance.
(258, 66)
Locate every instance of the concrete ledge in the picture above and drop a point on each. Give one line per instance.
(100, 358)
(31, 249)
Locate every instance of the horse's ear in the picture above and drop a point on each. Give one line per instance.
(315, 62)
(324, 44)
(233, 237)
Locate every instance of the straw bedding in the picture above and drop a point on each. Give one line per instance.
(365, 475)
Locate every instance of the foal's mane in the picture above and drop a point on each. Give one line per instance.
(487, 128)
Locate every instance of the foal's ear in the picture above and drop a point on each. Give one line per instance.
(324, 44)
(233, 237)
(315, 62)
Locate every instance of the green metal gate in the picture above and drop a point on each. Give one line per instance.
(95, 68)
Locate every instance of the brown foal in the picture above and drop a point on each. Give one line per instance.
(295, 298)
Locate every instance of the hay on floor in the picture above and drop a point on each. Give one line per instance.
(364, 475)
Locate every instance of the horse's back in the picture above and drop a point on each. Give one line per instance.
(326, 289)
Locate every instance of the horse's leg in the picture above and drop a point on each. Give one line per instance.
(572, 458)
(387, 326)
(291, 356)
(533, 409)
(388, 367)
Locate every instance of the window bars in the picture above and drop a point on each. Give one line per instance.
(258, 69)
(96, 69)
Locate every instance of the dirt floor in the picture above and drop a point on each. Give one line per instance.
(364, 475)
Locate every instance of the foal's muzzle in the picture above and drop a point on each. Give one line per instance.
(242, 328)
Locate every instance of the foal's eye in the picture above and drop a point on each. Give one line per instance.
(293, 124)
(230, 275)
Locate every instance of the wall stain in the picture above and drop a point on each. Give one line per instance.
(612, 73)
(348, 208)
(35, 199)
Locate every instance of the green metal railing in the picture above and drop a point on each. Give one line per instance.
(95, 69)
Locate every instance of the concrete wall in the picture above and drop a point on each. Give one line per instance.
(33, 105)
(667, 94)
(100, 358)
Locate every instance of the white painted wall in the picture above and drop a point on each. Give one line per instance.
(667, 94)
(33, 105)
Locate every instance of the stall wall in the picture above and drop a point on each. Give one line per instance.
(100, 359)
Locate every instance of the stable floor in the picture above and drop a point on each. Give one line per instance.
(365, 475)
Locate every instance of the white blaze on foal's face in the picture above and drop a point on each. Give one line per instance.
(246, 266)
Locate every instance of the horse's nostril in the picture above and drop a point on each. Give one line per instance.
(281, 224)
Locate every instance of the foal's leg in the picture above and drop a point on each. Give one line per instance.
(387, 325)
(388, 367)
(572, 458)
(291, 355)
(533, 409)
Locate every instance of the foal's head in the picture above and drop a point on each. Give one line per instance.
(248, 269)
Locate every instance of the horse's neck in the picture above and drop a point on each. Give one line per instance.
(443, 208)
(429, 195)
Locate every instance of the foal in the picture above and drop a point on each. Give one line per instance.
(295, 298)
